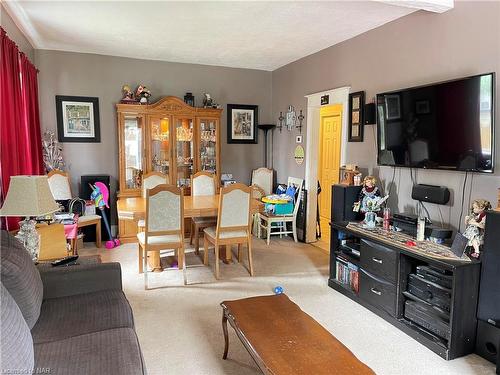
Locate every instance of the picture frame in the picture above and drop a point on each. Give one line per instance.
(78, 119)
(356, 116)
(392, 107)
(242, 121)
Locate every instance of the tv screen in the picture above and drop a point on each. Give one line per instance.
(446, 125)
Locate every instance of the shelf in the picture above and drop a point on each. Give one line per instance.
(443, 313)
(425, 333)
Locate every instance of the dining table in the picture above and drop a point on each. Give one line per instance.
(134, 208)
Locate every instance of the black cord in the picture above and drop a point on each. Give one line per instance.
(470, 189)
(392, 181)
(426, 211)
(463, 199)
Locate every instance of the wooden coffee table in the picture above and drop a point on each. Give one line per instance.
(282, 339)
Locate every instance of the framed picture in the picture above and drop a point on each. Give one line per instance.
(77, 119)
(392, 107)
(242, 120)
(356, 105)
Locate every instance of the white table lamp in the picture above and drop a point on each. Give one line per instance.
(29, 196)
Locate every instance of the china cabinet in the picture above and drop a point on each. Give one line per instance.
(170, 137)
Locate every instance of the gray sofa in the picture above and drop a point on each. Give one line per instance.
(69, 320)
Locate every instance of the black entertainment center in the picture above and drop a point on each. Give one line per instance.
(391, 285)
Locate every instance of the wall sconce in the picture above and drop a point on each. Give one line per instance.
(301, 118)
(280, 119)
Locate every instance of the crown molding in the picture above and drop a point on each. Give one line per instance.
(435, 6)
(18, 15)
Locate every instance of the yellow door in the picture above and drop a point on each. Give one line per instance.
(329, 156)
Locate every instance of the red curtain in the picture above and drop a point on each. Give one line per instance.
(20, 139)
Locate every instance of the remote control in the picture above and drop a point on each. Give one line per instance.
(65, 261)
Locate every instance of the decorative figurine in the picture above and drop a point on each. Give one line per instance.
(209, 102)
(142, 94)
(475, 223)
(369, 201)
(128, 94)
(189, 99)
(369, 191)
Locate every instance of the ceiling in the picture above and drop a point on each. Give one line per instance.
(258, 35)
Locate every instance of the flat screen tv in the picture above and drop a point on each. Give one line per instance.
(448, 125)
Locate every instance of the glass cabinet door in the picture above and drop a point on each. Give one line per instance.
(184, 155)
(133, 155)
(160, 146)
(208, 129)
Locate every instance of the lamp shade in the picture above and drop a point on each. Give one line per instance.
(29, 196)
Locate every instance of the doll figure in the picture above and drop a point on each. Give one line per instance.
(367, 193)
(475, 223)
(128, 94)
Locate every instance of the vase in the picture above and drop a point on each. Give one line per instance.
(370, 219)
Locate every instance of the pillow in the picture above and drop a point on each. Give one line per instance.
(16, 343)
(21, 278)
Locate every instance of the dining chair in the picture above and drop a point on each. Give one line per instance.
(164, 226)
(149, 181)
(263, 177)
(233, 224)
(60, 187)
(202, 183)
(280, 221)
(257, 193)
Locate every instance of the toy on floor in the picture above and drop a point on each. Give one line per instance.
(100, 196)
(278, 289)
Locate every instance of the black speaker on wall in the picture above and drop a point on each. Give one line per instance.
(369, 114)
(85, 191)
(488, 312)
(430, 193)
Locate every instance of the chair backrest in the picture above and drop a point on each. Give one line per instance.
(151, 180)
(234, 208)
(263, 177)
(59, 185)
(203, 183)
(164, 210)
(257, 192)
(298, 184)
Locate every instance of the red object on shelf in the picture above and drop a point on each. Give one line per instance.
(411, 243)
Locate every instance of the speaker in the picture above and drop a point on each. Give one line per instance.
(370, 114)
(430, 193)
(489, 291)
(343, 198)
(85, 191)
(488, 342)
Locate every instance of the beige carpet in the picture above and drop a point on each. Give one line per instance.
(179, 327)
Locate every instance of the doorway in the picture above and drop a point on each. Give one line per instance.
(330, 141)
(315, 102)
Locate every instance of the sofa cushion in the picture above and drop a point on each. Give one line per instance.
(16, 344)
(65, 317)
(21, 278)
(114, 351)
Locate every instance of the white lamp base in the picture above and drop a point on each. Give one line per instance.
(29, 237)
